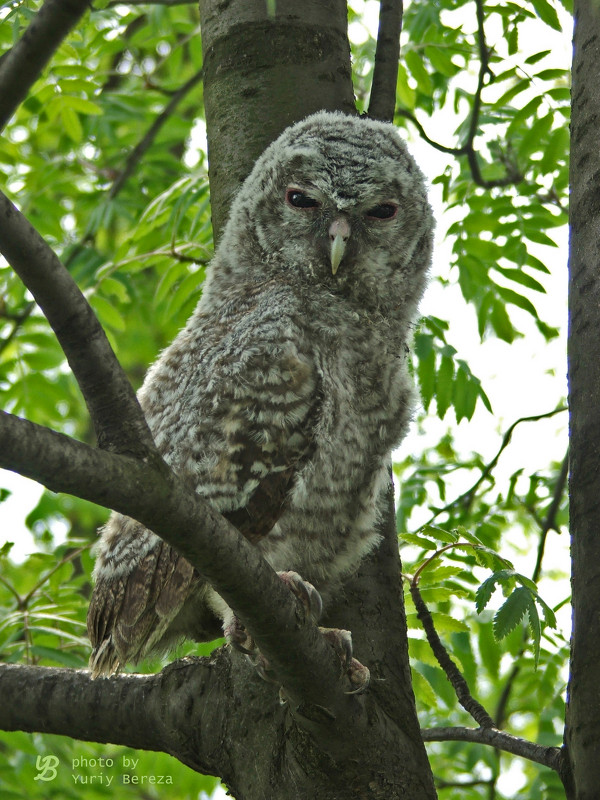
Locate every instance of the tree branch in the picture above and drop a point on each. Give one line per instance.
(138, 151)
(513, 176)
(140, 711)
(466, 498)
(548, 756)
(459, 684)
(115, 412)
(387, 54)
(21, 66)
(149, 492)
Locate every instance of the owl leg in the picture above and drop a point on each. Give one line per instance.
(341, 640)
(238, 636)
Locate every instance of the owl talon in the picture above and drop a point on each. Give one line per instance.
(262, 667)
(305, 592)
(357, 674)
(359, 677)
(239, 638)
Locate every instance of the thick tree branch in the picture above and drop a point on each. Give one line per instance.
(303, 662)
(548, 756)
(115, 412)
(164, 712)
(387, 53)
(22, 65)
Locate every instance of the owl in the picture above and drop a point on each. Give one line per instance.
(282, 398)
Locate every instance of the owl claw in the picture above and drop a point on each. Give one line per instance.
(341, 640)
(305, 592)
(357, 674)
(239, 638)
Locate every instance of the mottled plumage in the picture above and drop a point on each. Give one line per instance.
(283, 396)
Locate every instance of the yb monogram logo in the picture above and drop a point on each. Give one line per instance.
(46, 766)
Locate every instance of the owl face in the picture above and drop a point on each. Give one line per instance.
(338, 202)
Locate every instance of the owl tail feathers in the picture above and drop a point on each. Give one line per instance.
(104, 660)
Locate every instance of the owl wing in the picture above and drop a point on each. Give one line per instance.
(255, 429)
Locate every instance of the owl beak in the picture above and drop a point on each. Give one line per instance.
(339, 232)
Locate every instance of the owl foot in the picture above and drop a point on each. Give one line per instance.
(358, 675)
(305, 592)
(238, 636)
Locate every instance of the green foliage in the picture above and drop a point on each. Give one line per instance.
(120, 191)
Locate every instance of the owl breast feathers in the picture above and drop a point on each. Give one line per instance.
(283, 396)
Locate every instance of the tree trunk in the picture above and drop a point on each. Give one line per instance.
(583, 716)
(261, 74)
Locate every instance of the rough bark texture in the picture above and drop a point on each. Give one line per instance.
(583, 717)
(261, 74)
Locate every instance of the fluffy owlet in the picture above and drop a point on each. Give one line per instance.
(283, 396)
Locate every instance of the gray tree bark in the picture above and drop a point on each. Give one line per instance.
(583, 714)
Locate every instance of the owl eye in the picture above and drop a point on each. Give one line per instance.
(299, 199)
(383, 211)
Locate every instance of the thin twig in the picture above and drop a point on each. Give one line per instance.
(547, 756)
(118, 420)
(387, 54)
(455, 151)
(459, 684)
(547, 525)
(513, 175)
(138, 151)
(17, 321)
(466, 498)
(550, 520)
(22, 65)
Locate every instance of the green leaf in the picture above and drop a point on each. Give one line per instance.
(414, 62)
(537, 57)
(443, 386)
(419, 541)
(546, 12)
(500, 322)
(486, 590)
(511, 612)
(107, 313)
(440, 534)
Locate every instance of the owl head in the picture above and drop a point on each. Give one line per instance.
(336, 203)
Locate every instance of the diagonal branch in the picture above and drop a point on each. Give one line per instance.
(21, 66)
(151, 493)
(115, 412)
(387, 53)
(138, 151)
(459, 684)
